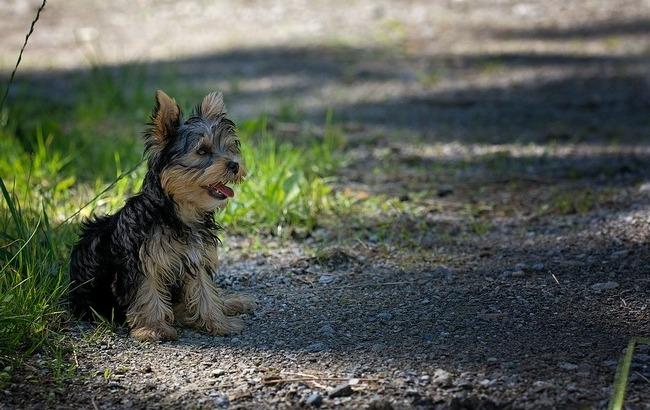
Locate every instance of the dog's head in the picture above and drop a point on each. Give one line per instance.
(195, 159)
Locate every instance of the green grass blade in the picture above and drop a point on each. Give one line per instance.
(38, 224)
(12, 208)
(622, 374)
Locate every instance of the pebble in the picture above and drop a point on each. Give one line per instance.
(222, 401)
(380, 404)
(599, 287)
(538, 267)
(217, 373)
(327, 330)
(384, 316)
(486, 383)
(518, 274)
(441, 378)
(620, 254)
(326, 279)
(342, 390)
(314, 400)
(568, 366)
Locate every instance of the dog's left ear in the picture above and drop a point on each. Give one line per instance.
(165, 120)
(212, 106)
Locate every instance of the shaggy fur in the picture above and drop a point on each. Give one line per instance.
(151, 263)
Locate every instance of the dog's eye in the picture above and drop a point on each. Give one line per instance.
(202, 151)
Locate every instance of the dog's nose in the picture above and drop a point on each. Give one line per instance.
(233, 167)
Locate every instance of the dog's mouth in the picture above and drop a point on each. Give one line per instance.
(219, 191)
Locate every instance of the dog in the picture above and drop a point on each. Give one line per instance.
(151, 263)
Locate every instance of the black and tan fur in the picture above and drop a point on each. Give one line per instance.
(151, 263)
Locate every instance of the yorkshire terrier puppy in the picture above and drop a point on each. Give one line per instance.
(151, 263)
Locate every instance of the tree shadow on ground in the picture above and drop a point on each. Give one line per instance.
(499, 98)
(596, 30)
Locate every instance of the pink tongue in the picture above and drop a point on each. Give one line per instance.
(225, 190)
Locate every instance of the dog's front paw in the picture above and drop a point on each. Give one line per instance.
(154, 333)
(237, 304)
(225, 326)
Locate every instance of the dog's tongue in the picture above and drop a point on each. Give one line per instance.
(225, 190)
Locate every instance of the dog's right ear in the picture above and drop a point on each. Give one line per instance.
(165, 120)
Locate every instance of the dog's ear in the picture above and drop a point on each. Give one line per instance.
(165, 120)
(212, 106)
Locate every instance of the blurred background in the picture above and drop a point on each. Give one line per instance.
(495, 70)
(488, 156)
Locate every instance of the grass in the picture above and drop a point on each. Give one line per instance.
(59, 156)
(32, 279)
(617, 400)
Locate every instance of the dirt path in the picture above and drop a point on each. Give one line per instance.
(505, 264)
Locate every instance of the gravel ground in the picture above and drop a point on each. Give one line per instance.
(508, 268)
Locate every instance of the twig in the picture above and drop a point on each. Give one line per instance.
(642, 376)
(558, 282)
(92, 400)
(20, 55)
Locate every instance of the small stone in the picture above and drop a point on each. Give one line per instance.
(538, 267)
(567, 366)
(518, 274)
(485, 383)
(342, 390)
(610, 363)
(222, 401)
(327, 330)
(326, 279)
(386, 316)
(463, 384)
(146, 368)
(217, 373)
(540, 385)
(520, 266)
(599, 287)
(441, 378)
(620, 254)
(380, 404)
(314, 400)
